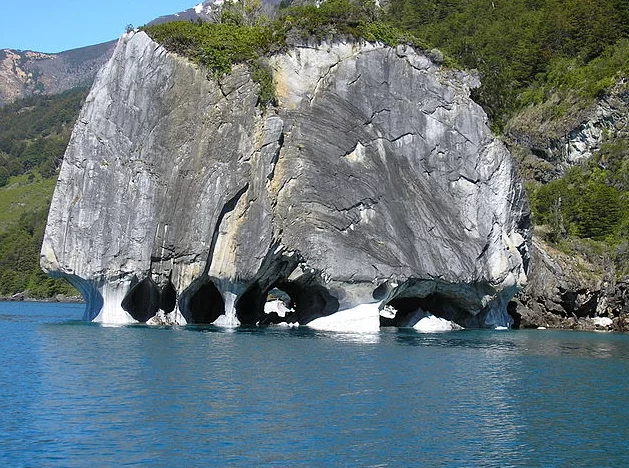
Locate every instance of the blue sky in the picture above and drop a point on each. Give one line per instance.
(58, 25)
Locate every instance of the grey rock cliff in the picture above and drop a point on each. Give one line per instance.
(374, 180)
(579, 291)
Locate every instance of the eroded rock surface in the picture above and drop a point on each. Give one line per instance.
(374, 180)
(569, 292)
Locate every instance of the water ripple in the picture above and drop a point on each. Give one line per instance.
(76, 394)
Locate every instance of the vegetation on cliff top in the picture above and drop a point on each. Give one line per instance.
(525, 50)
(241, 36)
(586, 211)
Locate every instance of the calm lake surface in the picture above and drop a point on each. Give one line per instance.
(79, 394)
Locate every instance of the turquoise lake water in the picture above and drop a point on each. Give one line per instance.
(79, 394)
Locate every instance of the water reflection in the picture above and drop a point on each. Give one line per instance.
(535, 342)
(370, 337)
(574, 343)
(478, 339)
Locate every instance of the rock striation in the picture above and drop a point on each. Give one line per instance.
(375, 180)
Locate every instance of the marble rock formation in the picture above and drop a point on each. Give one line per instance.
(375, 180)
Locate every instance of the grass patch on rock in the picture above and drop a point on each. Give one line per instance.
(239, 39)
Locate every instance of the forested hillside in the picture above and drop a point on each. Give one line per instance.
(526, 50)
(34, 133)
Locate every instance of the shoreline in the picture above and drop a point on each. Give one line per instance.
(618, 325)
(23, 298)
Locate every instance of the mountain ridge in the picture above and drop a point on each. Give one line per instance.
(25, 73)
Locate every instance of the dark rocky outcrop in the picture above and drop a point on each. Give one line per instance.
(565, 291)
(375, 179)
(576, 291)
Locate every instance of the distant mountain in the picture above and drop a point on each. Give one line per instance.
(203, 10)
(28, 73)
(208, 11)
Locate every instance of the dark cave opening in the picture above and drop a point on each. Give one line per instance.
(300, 302)
(143, 300)
(512, 310)
(206, 304)
(405, 307)
(250, 305)
(310, 300)
(380, 292)
(410, 308)
(168, 298)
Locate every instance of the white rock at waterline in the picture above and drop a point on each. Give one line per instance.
(430, 323)
(602, 322)
(362, 318)
(278, 307)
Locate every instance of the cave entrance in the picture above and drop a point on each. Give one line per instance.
(258, 307)
(309, 300)
(512, 310)
(407, 311)
(168, 298)
(143, 300)
(250, 305)
(285, 302)
(279, 307)
(206, 304)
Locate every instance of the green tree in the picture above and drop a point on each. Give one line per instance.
(599, 210)
(241, 12)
